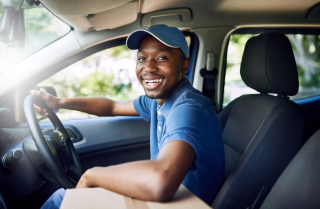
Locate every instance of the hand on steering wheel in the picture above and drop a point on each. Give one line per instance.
(55, 146)
(51, 102)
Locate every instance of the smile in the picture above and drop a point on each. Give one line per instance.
(151, 84)
(153, 81)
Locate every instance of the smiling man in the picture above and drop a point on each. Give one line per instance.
(185, 135)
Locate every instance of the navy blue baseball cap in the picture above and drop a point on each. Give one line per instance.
(170, 36)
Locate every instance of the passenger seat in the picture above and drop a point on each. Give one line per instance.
(261, 132)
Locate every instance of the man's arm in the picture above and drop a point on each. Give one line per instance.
(151, 180)
(95, 106)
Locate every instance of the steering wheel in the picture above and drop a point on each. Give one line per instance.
(54, 145)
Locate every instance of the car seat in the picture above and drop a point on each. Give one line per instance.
(299, 184)
(261, 132)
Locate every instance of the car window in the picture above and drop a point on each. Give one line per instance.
(40, 28)
(306, 50)
(109, 73)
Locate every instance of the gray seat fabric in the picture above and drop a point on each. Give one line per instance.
(299, 185)
(268, 65)
(261, 132)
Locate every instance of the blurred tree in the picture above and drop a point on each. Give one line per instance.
(306, 50)
(41, 29)
(234, 57)
(93, 79)
(307, 54)
(97, 75)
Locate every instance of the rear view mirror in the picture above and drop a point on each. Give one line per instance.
(12, 28)
(6, 23)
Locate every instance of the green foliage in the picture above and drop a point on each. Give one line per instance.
(240, 39)
(98, 84)
(118, 51)
(101, 83)
(307, 53)
(89, 78)
(41, 29)
(235, 52)
(306, 50)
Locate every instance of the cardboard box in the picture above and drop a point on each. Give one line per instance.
(96, 198)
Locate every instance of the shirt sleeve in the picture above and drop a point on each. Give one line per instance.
(143, 106)
(188, 121)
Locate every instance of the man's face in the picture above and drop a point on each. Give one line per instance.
(160, 68)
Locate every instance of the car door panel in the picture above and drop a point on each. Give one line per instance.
(113, 156)
(109, 140)
(310, 107)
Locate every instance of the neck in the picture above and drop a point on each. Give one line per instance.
(160, 101)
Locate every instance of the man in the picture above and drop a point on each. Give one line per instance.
(185, 134)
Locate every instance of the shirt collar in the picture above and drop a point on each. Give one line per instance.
(183, 86)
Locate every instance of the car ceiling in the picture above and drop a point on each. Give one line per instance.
(109, 14)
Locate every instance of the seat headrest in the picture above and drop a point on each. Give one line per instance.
(268, 65)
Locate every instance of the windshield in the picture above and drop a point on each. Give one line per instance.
(25, 29)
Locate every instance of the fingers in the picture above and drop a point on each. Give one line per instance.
(38, 93)
(51, 101)
(41, 111)
(44, 96)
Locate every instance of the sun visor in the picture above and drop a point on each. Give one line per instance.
(116, 17)
(94, 14)
(82, 7)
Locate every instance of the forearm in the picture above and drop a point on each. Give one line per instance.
(152, 180)
(146, 180)
(95, 106)
(98, 106)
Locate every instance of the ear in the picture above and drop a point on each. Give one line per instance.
(185, 65)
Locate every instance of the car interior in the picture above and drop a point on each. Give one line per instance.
(258, 62)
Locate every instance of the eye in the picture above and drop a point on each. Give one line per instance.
(162, 58)
(141, 59)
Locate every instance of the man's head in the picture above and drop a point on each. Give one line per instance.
(162, 59)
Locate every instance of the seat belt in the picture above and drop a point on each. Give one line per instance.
(209, 74)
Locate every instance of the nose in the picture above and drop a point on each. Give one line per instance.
(150, 66)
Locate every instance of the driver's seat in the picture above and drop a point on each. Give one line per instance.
(261, 132)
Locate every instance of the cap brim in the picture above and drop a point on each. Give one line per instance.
(134, 39)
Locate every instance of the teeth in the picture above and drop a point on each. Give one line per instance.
(153, 81)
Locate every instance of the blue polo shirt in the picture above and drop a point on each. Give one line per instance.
(189, 116)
